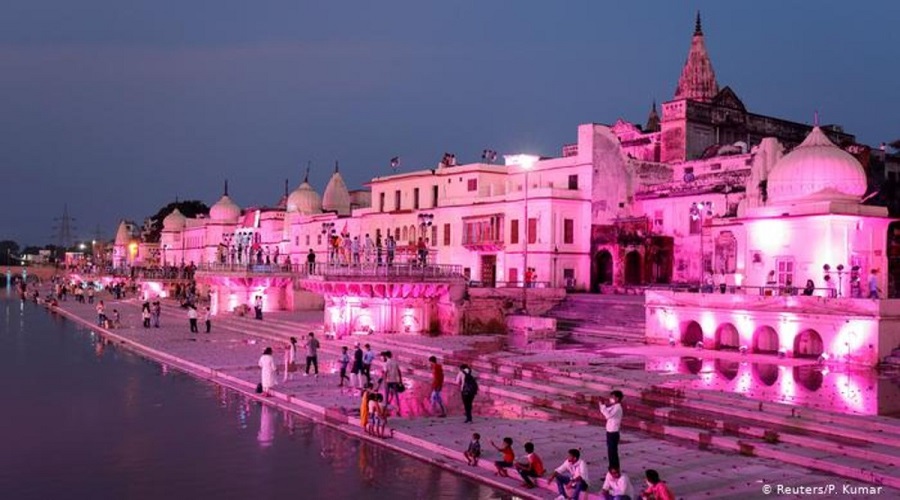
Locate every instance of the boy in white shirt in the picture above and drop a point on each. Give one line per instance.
(612, 411)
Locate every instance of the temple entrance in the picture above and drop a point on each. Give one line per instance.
(808, 344)
(601, 270)
(765, 340)
(893, 255)
(727, 337)
(489, 271)
(633, 275)
(660, 259)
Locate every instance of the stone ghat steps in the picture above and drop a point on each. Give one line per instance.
(546, 395)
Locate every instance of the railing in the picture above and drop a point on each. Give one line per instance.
(766, 291)
(218, 267)
(401, 271)
(509, 284)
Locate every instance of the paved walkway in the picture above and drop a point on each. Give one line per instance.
(229, 356)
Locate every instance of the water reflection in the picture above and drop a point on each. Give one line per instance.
(848, 391)
(266, 434)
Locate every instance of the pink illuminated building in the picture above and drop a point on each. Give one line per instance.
(703, 196)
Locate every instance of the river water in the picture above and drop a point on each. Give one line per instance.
(83, 419)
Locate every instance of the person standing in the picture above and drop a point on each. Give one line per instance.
(207, 319)
(874, 291)
(368, 359)
(290, 359)
(312, 353)
(391, 248)
(268, 370)
(368, 247)
(343, 360)
(145, 314)
(354, 250)
(356, 369)
(612, 411)
(394, 380)
(156, 312)
(468, 389)
(310, 262)
(192, 318)
(258, 307)
(437, 384)
(573, 473)
(101, 314)
(379, 248)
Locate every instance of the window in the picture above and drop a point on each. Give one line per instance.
(381, 202)
(784, 270)
(434, 195)
(416, 198)
(397, 233)
(467, 272)
(726, 253)
(307, 240)
(434, 236)
(297, 240)
(397, 200)
(513, 275)
(532, 231)
(446, 235)
(473, 185)
(569, 274)
(573, 181)
(484, 230)
(568, 231)
(319, 240)
(514, 231)
(658, 218)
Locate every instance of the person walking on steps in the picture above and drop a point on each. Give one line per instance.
(468, 388)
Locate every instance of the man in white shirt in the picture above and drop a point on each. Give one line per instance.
(572, 473)
(612, 411)
(617, 486)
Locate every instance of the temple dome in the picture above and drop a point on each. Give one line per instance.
(225, 210)
(175, 221)
(817, 169)
(336, 197)
(123, 235)
(304, 200)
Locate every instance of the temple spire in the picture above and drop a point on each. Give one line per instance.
(285, 189)
(308, 165)
(336, 166)
(226, 187)
(652, 120)
(698, 80)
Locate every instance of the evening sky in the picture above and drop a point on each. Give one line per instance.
(117, 107)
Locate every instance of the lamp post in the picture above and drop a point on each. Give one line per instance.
(698, 211)
(526, 162)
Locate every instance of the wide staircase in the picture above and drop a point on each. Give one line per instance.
(600, 320)
(862, 448)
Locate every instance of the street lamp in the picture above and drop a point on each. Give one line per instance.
(526, 162)
(699, 210)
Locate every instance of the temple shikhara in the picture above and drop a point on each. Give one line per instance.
(744, 231)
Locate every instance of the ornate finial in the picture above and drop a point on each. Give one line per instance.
(308, 165)
(176, 199)
(285, 189)
(698, 28)
(654, 105)
(816, 118)
(226, 187)
(335, 166)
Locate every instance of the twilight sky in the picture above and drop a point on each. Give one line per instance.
(118, 107)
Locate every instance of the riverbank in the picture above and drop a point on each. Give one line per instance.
(228, 357)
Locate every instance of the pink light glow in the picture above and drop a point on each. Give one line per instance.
(768, 235)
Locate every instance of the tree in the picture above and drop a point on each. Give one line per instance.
(9, 251)
(188, 208)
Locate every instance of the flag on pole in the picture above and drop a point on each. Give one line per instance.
(395, 162)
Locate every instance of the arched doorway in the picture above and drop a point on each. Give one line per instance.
(633, 274)
(727, 337)
(691, 333)
(765, 340)
(601, 270)
(808, 344)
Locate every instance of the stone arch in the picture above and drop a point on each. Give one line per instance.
(403, 234)
(691, 333)
(412, 234)
(601, 270)
(633, 268)
(765, 373)
(808, 344)
(727, 337)
(765, 340)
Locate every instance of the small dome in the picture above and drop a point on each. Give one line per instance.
(304, 200)
(123, 235)
(817, 169)
(336, 197)
(175, 221)
(225, 210)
